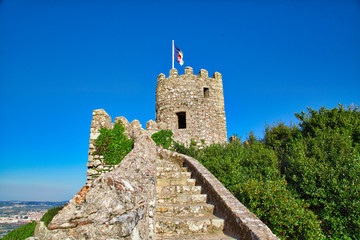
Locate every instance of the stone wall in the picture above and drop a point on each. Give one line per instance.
(116, 205)
(101, 119)
(95, 163)
(120, 204)
(200, 97)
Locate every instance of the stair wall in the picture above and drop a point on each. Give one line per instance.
(239, 221)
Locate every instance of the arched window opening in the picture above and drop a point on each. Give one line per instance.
(206, 92)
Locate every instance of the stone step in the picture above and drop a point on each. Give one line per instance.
(162, 160)
(173, 174)
(184, 210)
(169, 165)
(171, 169)
(183, 181)
(182, 198)
(174, 190)
(189, 225)
(218, 236)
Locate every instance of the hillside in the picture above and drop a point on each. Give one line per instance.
(14, 214)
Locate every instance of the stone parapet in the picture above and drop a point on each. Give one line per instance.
(96, 165)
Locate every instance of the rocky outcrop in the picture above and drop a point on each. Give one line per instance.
(117, 205)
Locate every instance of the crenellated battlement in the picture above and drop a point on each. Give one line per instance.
(173, 73)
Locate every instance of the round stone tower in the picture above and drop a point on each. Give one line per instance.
(192, 106)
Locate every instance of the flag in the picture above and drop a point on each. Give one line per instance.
(178, 55)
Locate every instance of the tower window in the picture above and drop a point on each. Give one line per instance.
(206, 92)
(181, 119)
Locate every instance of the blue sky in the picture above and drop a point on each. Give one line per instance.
(59, 60)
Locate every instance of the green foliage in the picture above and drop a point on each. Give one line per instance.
(252, 174)
(272, 202)
(321, 162)
(193, 143)
(50, 214)
(346, 122)
(21, 233)
(163, 138)
(113, 144)
(279, 137)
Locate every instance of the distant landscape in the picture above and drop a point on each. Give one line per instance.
(14, 214)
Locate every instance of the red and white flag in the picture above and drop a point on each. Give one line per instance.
(178, 55)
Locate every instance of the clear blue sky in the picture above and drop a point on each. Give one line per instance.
(59, 60)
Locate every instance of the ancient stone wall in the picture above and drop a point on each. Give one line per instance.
(117, 205)
(95, 162)
(101, 119)
(121, 203)
(192, 106)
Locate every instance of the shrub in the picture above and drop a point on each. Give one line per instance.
(321, 163)
(285, 215)
(163, 138)
(253, 176)
(50, 214)
(113, 144)
(22, 232)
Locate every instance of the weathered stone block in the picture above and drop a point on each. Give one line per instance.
(151, 125)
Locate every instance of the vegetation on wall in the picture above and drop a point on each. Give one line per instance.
(163, 138)
(113, 144)
(50, 214)
(22, 232)
(302, 181)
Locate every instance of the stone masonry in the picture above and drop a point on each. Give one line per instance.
(155, 193)
(182, 211)
(151, 195)
(192, 106)
(117, 205)
(101, 119)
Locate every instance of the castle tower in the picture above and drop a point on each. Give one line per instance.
(192, 106)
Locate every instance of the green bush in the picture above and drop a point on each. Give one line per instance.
(22, 232)
(163, 138)
(252, 174)
(50, 214)
(285, 215)
(303, 180)
(113, 144)
(322, 166)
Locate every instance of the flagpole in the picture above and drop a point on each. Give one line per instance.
(172, 53)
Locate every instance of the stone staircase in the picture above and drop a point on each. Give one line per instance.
(181, 209)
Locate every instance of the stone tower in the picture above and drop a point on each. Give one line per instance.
(192, 106)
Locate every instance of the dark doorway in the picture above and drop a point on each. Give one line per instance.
(181, 119)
